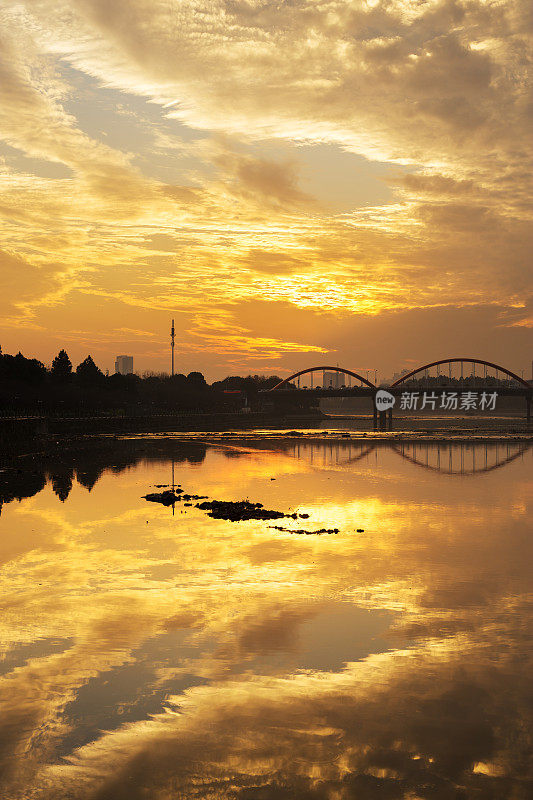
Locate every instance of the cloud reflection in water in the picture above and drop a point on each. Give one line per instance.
(207, 659)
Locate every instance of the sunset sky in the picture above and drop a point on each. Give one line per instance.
(296, 182)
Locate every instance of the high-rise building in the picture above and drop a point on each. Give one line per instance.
(334, 380)
(124, 365)
(398, 375)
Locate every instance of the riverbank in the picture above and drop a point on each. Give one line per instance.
(24, 454)
(36, 433)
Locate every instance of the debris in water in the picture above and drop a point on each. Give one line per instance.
(166, 498)
(304, 532)
(235, 511)
(239, 510)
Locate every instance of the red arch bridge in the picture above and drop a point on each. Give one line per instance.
(462, 382)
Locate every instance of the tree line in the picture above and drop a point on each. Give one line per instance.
(26, 384)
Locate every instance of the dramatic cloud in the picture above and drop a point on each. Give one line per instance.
(206, 124)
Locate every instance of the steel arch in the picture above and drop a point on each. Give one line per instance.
(318, 369)
(469, 360)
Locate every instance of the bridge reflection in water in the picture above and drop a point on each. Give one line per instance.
(446, 457)
(324, 453)
(462, 458)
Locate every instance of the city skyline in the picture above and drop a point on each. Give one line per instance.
(293, 184)
(333, 376)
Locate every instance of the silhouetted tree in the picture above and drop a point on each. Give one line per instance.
(62, 484)
(61, 367)
(88, 372)
(88, 476)
(19, 484)
(196, 379)
(264, 382)
(251, 384)
(19, 368)
(26, 384)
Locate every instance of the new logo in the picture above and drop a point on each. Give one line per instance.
(384, 400)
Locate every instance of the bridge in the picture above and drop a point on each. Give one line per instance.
(447, 384)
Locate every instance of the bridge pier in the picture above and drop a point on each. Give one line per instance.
(385, 420)
(528, 409)
(382, 420)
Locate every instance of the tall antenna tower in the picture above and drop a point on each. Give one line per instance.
(172, 333)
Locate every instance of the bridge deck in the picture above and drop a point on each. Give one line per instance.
(397, 391)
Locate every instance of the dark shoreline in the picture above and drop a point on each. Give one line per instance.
(29, 437)
(25, 451)
(38, 432)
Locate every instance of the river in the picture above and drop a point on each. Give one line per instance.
(154, 651)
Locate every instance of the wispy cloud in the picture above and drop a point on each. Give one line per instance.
(227, 94)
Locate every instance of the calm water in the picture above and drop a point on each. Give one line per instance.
(152, 652)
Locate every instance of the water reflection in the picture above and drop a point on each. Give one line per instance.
(147, 655)
(88, 465)
(462, 458)
(448, 457)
